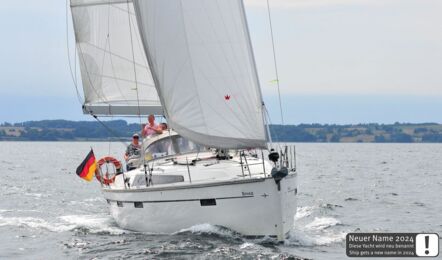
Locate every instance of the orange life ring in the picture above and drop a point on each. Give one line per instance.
(106, 179)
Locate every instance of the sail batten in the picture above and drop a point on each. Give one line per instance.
(115, 73)
(200, 55)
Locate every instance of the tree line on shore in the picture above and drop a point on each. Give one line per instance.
(64, 130)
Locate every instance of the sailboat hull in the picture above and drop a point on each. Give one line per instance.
(252, 207)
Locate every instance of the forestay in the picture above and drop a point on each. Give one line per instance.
(115, 73)
(203, 65)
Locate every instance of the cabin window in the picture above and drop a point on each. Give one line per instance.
(208, 202)
(119, 203)
(138, 204)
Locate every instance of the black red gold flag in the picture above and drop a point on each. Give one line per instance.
(86, 169)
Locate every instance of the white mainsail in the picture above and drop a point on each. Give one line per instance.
(115, 72)
(203, 66)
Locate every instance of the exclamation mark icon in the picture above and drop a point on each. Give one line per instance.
(427, 244)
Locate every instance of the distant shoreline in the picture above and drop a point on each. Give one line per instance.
(89, 131)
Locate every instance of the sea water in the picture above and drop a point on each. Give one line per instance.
(47, 212)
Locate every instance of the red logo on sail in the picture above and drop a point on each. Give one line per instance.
(227, 97)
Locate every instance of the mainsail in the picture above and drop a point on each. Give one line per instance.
(115, 72)
(202, 62)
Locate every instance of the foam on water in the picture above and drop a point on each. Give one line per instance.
(93, 224)
(209, 229)
(34, 223)
(36, 195)
(303, 212)
(321, 223)
(318, 232)
(300, 238)
(247, 245)
(96, 199)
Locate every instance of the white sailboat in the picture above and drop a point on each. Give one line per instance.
(191, 61)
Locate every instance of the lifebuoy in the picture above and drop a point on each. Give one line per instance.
(106, 176)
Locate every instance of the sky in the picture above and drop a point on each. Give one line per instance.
(339, 61)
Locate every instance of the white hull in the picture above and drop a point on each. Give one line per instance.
(250, 206)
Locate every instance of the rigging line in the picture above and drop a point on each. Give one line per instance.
(275, 63)
(133, 60)
(270, 134)
(136, 82)
(110, 57)
(112, 132)
(110, 51)
(74, 76)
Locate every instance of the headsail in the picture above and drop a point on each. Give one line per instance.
(203, 66)
(115, 73)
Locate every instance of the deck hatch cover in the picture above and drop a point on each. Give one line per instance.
(138, 204)
(208, 202)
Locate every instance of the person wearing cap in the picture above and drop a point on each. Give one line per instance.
(133, 150)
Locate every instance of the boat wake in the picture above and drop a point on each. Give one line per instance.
(302, 238)
(34, 223)
(92, 224)
(322, 223)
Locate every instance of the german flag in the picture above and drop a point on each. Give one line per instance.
(87, 168)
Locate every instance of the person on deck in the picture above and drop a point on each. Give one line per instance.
(132, 151)
(151, 128)
(163, 126)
